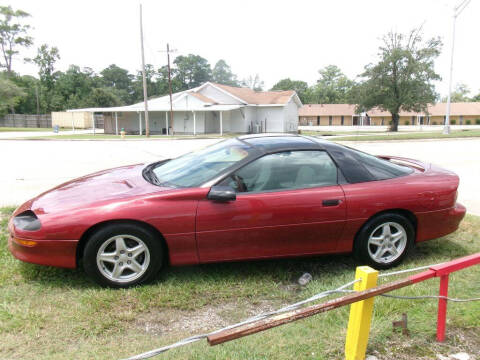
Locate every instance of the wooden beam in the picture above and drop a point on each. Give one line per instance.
(294, 315)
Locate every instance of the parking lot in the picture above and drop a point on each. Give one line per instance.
(30, 167)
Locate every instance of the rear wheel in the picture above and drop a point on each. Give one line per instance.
(123, 255)
(385, 240)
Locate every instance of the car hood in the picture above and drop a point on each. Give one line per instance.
(99, 187)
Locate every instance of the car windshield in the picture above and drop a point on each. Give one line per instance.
(195, 168)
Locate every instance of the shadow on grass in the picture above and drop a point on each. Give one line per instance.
(55, 277)
(278, 270)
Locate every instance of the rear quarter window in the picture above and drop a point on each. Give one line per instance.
(357, 166)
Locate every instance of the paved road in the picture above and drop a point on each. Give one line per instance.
(30, 167)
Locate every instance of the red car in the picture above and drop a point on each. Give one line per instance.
(252, 197)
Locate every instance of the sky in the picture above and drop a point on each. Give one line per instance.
(276, 39)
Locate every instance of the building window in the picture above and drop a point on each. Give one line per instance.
(461, 119)
(343, 120)
(444, 119)
(413, 119)
(330, 118)
(383, 121)
(318, 120)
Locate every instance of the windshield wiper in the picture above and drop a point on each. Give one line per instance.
(149, 174)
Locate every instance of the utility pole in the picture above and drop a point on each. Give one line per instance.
(170, 83)
(145, 95)
(456, 12)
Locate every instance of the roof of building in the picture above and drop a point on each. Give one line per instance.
(439, 109)
(202, 97)
(244, 96)
(258, 97)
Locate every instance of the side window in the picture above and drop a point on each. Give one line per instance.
(283, 171)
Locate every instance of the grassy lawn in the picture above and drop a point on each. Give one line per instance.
(401, 136)
(20, 129)
(49, 313)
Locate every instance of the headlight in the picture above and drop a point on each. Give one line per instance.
(27, 220)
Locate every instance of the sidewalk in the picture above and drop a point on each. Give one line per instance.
(28, 134)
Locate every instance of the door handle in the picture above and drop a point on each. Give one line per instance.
(331, 202)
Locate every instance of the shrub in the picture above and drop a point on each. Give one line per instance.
(434, 123)
(477, 121)
(453, 122)
(407, 122)
(468, 122)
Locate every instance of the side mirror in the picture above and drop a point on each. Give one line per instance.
(222, 194)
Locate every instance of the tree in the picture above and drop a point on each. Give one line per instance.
(13, 34)
(45, 61)
(137, 84)
(300, 87)
(73, 88)
(402, 78)
(460, 94)
(191, 71)
(253, 82)
(103, 97)
(119, 79)
(333, 87)
(31, 87)
(222, 74)
(10, 94)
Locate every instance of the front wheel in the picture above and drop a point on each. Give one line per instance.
(385, 240)
(122, 255)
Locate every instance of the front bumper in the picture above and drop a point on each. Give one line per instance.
(60, 253)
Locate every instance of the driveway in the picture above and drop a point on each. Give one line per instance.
(30, 167)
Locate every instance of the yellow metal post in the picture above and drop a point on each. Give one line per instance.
(360, 316)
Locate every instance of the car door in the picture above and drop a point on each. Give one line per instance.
(288, 203)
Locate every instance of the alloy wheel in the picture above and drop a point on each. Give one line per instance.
(387, 242)
(123, 258)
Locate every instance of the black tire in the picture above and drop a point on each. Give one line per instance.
(141, 249)
(365, 250)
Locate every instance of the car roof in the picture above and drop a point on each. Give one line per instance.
(276, 142)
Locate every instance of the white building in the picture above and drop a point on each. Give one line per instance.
(209, 108)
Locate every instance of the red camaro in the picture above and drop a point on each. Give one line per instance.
(252, 197)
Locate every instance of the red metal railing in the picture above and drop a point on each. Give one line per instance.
(442, 271)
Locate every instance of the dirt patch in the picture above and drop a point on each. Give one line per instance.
(458, 340)
(205, 319)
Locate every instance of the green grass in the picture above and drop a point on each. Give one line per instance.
(403, 136)
(20, 129)
(50, 313)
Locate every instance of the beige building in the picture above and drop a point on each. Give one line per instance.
(77, 120)
(465, 113)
